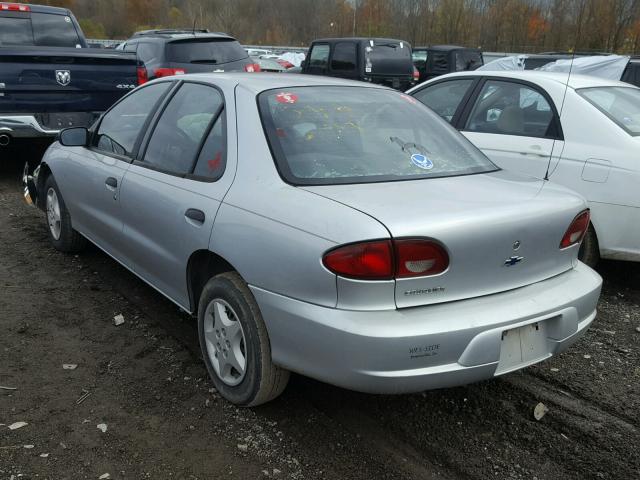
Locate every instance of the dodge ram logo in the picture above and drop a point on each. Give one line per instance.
(63, 77)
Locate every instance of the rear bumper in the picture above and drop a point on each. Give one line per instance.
(422, 348)
(24, 126)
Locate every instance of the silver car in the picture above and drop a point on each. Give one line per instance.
(331, 228)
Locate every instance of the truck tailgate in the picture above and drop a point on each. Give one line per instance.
(47, 80)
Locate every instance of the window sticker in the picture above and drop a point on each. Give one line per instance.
(421, 161)
(285, 97)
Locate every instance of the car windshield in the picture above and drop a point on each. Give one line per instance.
(209, 51)
(330, 135)
(620, 104)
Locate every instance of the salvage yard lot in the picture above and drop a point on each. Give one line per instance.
(146, 382)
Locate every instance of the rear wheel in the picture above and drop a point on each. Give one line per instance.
(61, 233)
(590, 250)
(235, 343)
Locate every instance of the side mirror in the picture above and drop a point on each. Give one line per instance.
(74, 137)
(303, 64)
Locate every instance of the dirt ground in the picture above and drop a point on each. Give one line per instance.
(146, 383)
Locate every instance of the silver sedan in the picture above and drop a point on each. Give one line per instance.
(335, 229)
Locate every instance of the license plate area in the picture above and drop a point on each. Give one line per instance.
(523, 346)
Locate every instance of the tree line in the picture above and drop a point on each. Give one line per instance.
(493, 25)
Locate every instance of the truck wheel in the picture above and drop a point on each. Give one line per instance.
(235, 343)
(590, 250)
(61, 234)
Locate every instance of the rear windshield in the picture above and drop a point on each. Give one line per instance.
(620, 104)
(214, 51)
(42, 29)
(388, 58)
(332, 135)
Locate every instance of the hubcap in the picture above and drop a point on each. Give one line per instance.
(53, 213)
(226, 346)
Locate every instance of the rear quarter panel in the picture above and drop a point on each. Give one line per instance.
(275, 234)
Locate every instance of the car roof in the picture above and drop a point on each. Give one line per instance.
(575, 81)
(178, 34)
(358, 39)
(259, 82)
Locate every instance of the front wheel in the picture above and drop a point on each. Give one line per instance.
(590, 250)
(61, 234)
(235, 343)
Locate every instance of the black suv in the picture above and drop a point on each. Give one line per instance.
(377, 60)
(175, 52)
(438, 60)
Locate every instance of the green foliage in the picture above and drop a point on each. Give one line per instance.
(92, 29)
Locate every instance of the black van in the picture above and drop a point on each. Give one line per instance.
(378, 60)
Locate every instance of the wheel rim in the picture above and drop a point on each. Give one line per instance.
(53, 213)
(226, 345)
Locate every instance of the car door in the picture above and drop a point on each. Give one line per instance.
(93, 179)
(318, 60)
(516, 125)
(171, 194)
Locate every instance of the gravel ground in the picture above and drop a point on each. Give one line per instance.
(145, 381)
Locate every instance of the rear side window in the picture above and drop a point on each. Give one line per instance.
(620, 104)
(319, 57)
(444, 98)
(344, 56)
(15, 31)
(338, 135)
(54, 30)
(121, 126)
(178, 134)
(148, 52)
(212, 157)
(205, 51)
(510, 108)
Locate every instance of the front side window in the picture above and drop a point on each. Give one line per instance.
(180, 130)
(620, 104)
(445, 98)
(319, 57)
(344, 57)
(511, 108)
(121, 126)
(54, 30)
(332, 135)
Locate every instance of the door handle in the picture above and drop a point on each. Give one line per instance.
(195, 215)
(111, 183)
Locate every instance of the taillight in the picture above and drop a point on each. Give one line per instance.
(168, 72)
(252, 67)
(419, 258)
(576, 231)
(366, 260)
(416, 74)
(387, 259)
(14, 7)
(142, 75)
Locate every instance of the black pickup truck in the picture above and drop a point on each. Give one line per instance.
(49, 78)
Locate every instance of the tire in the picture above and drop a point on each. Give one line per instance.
(61, 234)
(230, 327)
(590, 250)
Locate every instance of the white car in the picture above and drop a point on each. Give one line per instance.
(584, 134)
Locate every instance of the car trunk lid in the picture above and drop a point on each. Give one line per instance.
(501, 231)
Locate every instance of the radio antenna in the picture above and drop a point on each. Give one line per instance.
(566, 86)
